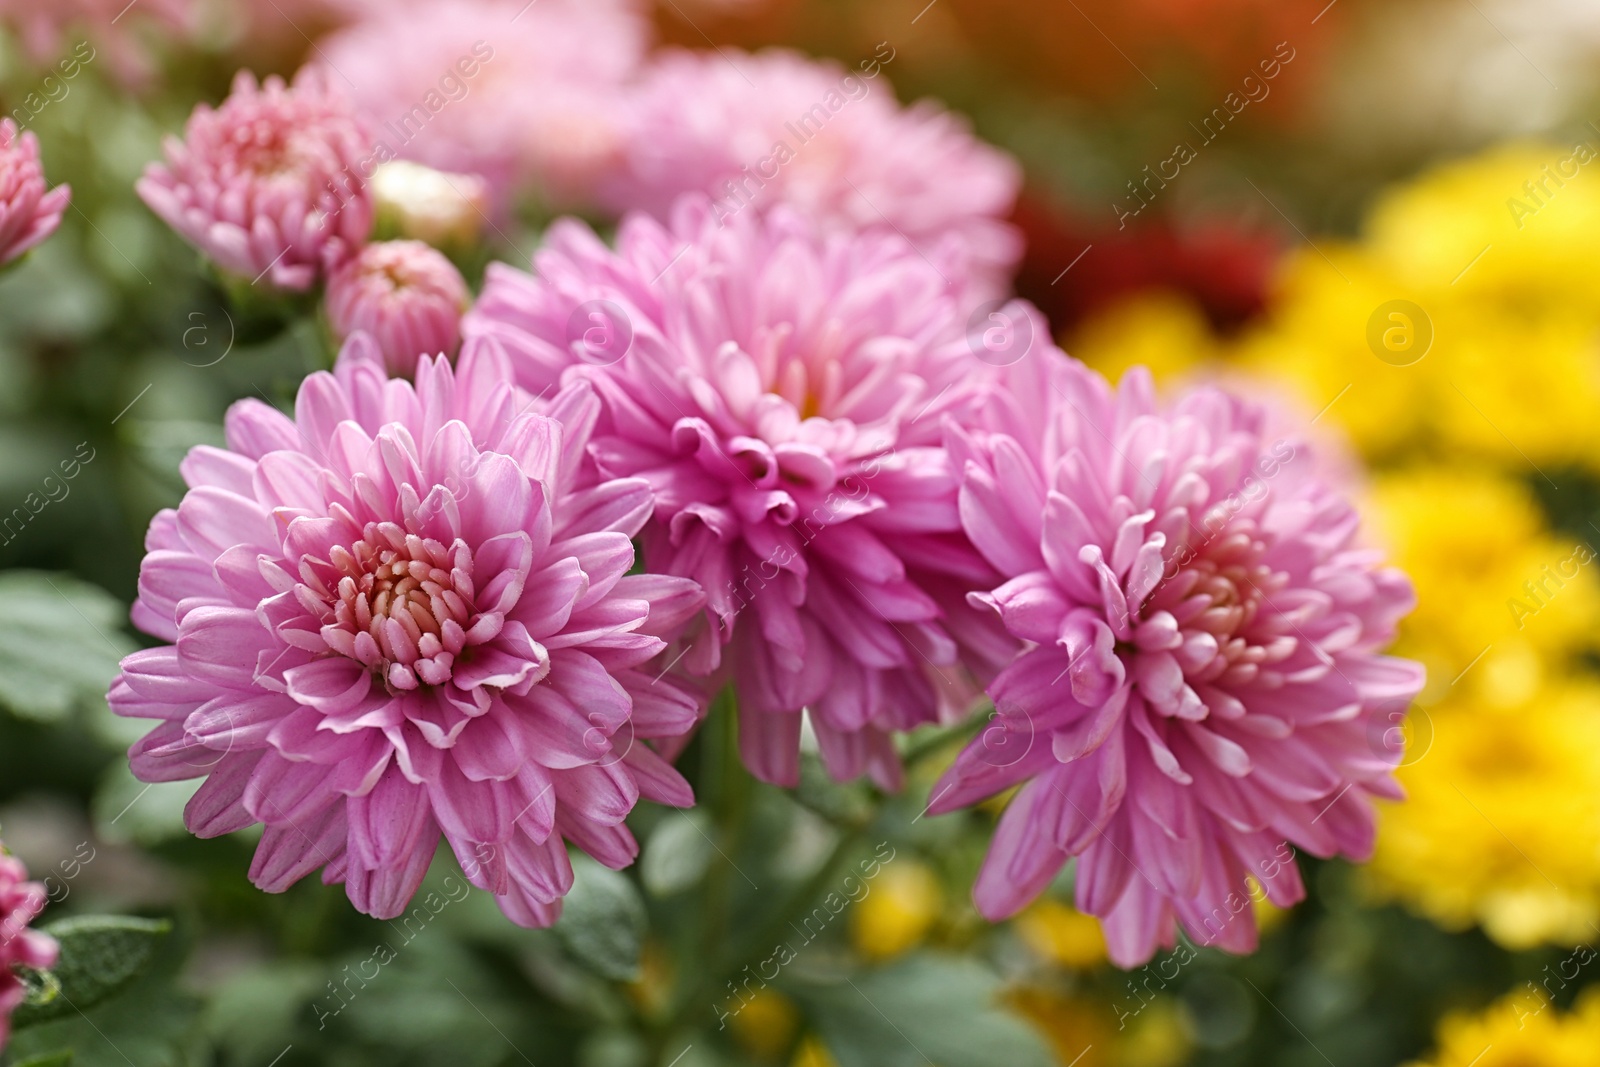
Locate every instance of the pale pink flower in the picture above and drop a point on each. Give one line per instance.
(28, 212)
(782, 394)
(751, 131)
(108, 32)
(407, 613)
(1202, 690)
(526, 95)
(21, 901)
(406, 294)
(271, 185)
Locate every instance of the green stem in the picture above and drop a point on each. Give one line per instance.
(704, 991)
(937, 739)
(728, 786)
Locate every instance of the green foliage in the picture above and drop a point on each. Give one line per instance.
(925, 1009)
(60, 642)
(680, 851)
(49, 1059)
(100, 956)
(603, 921)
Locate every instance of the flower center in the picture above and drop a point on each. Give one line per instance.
(1215, 604)
(403, 606)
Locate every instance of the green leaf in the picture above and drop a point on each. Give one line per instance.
(603, 920)
(51, 1059)
(60, 642)
(127, 810)
(926, 1009)
(100, 956)
(677, 854)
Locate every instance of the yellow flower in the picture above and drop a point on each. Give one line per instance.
(1157, 1038)
(1526, 230)
(1162, 331)
(1062, 935)
(895, 916)
(813, 1053)
(1521, 1030)
(1462, 321)
(1501, 820)
(1498, 596)
(1315, 340)
(765, 1023)
(1078, 1030)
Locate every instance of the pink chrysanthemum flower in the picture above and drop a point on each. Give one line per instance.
(406, 612)
(775, 127)
(272, 184)
(526, 95)
(21, 901)
(406, 294)
(782, 394)
(28, 212)
(1202, 690)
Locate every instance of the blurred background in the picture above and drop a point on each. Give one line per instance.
(1382, 213)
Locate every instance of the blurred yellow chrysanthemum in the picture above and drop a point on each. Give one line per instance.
(1501, 824)
(1467, 321)
(1062, 934)
(1524, 216)
(897, 914)
(1521, 1029)
(1501, 601)
(1162, 331)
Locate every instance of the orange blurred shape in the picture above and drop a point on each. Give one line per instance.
(1078, 1030)
(1106, 48)
(746, 23)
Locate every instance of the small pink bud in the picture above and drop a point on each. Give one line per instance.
(406, 294)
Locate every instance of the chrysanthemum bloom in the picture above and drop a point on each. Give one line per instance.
(1203, 692)
(526, 95)
(1524, 1027)
(21, 901)
(28, 213)
(400, 614)
(752, 131)
(782, 394)
(271, 185)
(406, 294)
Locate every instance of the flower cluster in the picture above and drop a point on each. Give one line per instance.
(277, 186)
(864, 491)
(1523, 1028)
(1505, 747)
(1400, 339)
